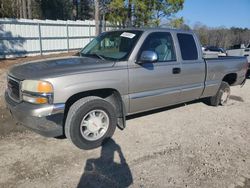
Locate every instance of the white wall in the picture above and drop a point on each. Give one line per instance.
(23, 37)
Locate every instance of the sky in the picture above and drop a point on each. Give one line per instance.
(216, 13)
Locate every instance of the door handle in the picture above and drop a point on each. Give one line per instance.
(176, 70)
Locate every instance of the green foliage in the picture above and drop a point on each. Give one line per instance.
(8, 8)
(117, 12)
(142, 13)
(166, 8)
(177, 22)
(123, 13)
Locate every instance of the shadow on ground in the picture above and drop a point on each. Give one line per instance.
(104, 172)
(203, 100)
(236, 98)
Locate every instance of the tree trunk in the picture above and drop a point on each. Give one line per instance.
(13, 7)
(29, 9)
(20, 8)
(129, 22)
(24, 9)
(97, 18)
(17, 11)
(103, 22)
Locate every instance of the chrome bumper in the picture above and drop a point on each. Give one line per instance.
(46, 120)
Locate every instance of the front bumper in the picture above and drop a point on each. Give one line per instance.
(46, 120)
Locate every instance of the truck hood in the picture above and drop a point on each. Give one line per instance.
(55, 67)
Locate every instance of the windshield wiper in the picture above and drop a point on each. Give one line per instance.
(94, 55)
(99, 56)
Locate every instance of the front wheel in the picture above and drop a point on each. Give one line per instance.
(90, 121)
(222, 96)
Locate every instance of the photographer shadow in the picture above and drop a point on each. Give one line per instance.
(104, 171)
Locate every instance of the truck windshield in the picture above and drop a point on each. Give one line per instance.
(114, 45)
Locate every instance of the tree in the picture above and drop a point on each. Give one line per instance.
(177, 23)
(86, 10)
(8, 8)
(221, 36)
(139, 13)
(118, 13)
(101, 9)
(45, 9)
(20, 9)
(36, 10)
(166, 9)
(97, 17)
(56, 9)
(29, 7)
(24, 7)
(202, 31)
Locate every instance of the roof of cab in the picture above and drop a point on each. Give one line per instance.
(150, 29)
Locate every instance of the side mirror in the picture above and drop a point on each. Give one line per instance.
(148, 57)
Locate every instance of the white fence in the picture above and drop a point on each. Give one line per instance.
(22, 37)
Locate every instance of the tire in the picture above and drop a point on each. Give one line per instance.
(219, 98)
(84, 109)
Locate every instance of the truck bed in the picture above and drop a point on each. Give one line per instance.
(217, 68)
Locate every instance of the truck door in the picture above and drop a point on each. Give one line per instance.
(193, 69)
(154, 85)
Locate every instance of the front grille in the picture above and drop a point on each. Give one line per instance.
(14, 88)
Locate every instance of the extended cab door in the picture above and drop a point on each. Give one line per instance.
(193, 70)
(154, 85)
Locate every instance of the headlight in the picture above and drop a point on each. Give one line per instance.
(37, 92)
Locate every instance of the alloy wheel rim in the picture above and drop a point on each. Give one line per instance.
(94, 125)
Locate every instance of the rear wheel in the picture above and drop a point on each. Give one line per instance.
(222, 96)
(90, 121)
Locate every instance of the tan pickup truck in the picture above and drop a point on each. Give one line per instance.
(117, 74)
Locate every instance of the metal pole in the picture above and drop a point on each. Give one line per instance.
(40, 39)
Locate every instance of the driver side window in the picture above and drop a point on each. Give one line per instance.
(162, 44)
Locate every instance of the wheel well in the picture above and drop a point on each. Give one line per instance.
(230, 78)
(110, 95)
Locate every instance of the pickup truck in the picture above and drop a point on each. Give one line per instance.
(119, 73)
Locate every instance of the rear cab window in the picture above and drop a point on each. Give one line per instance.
(188, 46)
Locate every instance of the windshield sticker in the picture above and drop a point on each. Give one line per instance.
(128, 35)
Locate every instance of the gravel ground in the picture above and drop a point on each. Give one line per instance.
(189, 145)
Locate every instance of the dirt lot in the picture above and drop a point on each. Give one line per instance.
(192, 145)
